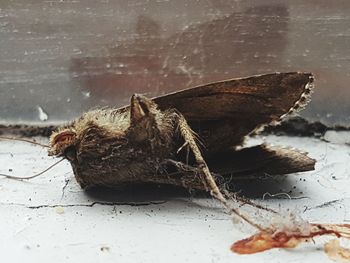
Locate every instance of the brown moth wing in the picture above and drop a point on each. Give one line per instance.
(222, 113)
(260, 160)
(269, 96)
(247, 164)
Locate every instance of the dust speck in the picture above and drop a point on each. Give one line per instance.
(59, 210)
(104, 249)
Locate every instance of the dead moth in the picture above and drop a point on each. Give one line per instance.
(157, 140)
(160, 140)
(176, 138)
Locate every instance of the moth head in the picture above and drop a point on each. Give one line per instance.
(61, 141)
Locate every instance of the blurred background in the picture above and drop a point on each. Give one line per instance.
(59, 58)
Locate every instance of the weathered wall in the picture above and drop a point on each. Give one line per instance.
(68, 56)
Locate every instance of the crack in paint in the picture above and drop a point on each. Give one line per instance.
(88, 205)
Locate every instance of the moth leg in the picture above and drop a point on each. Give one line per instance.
(208, 179)
(186, 174)
(206, 176)
(187, 151)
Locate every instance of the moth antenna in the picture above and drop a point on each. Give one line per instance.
(33, 176)
(23, 140)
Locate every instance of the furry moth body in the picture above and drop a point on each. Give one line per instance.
(155, 140)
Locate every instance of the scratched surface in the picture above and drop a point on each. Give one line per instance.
(59, 58)
(48, 218)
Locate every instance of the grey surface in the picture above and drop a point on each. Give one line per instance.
(47, 219)
(68, 56)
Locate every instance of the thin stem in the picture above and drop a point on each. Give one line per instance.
(23, 140)
(33, 176)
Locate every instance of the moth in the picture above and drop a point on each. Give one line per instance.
(194, 138)
(189, 138)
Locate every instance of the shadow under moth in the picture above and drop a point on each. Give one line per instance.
(193, 138)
